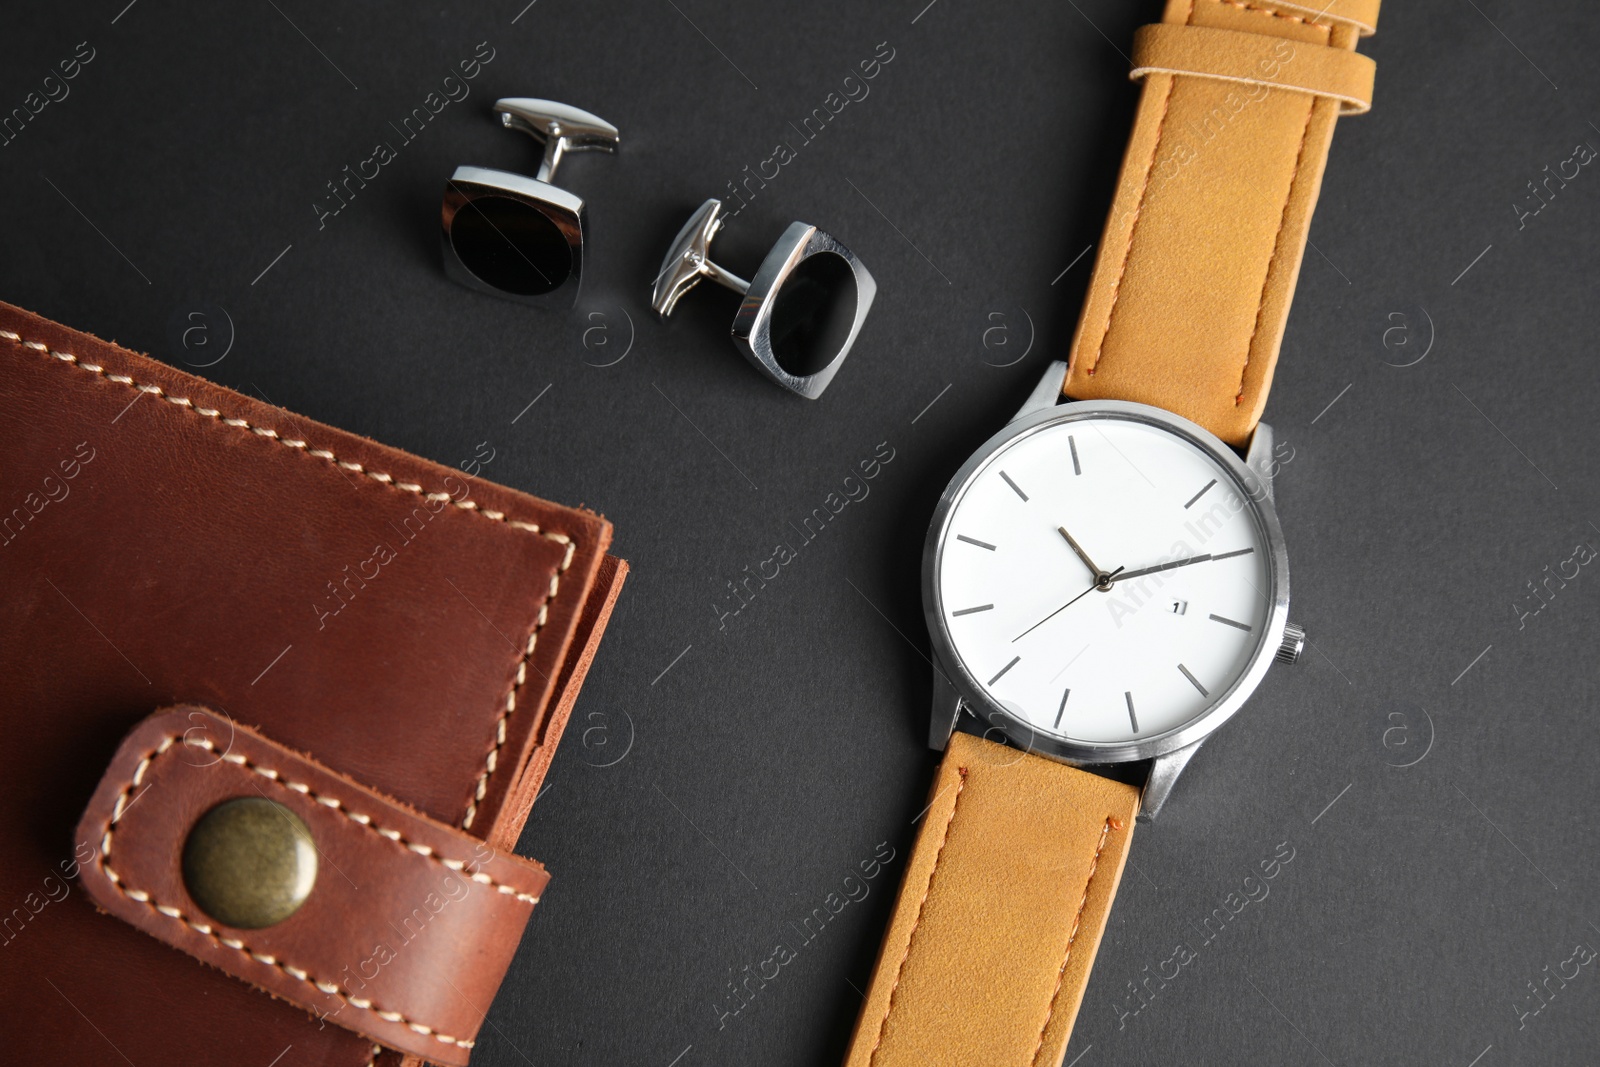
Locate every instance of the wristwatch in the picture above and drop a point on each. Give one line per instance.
(1105, 580)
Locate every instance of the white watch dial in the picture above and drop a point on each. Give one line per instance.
(1150, 637)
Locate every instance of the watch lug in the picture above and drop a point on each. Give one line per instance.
(1046, 394)
(1258, 457)
(1164, 771)
(946, 709)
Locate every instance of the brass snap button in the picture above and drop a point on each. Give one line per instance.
(249, 863)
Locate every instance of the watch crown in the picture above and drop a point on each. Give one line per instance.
(1293, 643)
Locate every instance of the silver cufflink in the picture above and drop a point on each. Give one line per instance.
(801, 311)
(518, 237)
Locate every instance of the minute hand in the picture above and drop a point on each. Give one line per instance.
(1142, 571)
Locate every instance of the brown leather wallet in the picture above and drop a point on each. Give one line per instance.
(381, 645)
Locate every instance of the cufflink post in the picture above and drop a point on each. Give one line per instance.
(724, 277)
(688, 259)
(561, 127)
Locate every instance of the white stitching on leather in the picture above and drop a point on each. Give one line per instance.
(510, 703)
(335, 803)
(296, 973)
(1278, 14)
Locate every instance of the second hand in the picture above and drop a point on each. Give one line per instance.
(1067, 605)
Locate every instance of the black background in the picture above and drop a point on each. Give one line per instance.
(778, 751)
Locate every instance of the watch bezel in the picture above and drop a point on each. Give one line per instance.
(1251, 486)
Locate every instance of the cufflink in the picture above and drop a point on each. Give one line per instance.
(801, 311)
(518, 237)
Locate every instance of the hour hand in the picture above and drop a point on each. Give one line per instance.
(1099, 575)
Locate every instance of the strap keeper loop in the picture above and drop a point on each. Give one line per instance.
(1256, 59)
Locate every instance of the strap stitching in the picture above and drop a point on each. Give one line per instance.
(1266, 283)
(1271, 13)
(425, 851)
(510, 704)
(1138, 211)
(1094, 866)
(926, 889)
(1133, 227)
(298, 974)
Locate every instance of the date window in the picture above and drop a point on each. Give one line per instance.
(1178, 607)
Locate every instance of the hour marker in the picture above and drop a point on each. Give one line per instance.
(1193, 680)
(1014, 486)
(1200, 494)
(973, 611)
(1014, 661)
(1230, 622)
(1073, 444)
(985, 544)
(1134, 719)
(1062, 710)
(1235, 552)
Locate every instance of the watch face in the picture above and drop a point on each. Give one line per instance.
(1107, 577)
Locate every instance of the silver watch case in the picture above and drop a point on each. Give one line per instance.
(1255, 487)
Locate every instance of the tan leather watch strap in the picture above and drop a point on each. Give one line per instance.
(1194, 276)
(997, 923)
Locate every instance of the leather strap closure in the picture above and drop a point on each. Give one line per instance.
(996, 927)
(1252, 59)
(408, 927)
